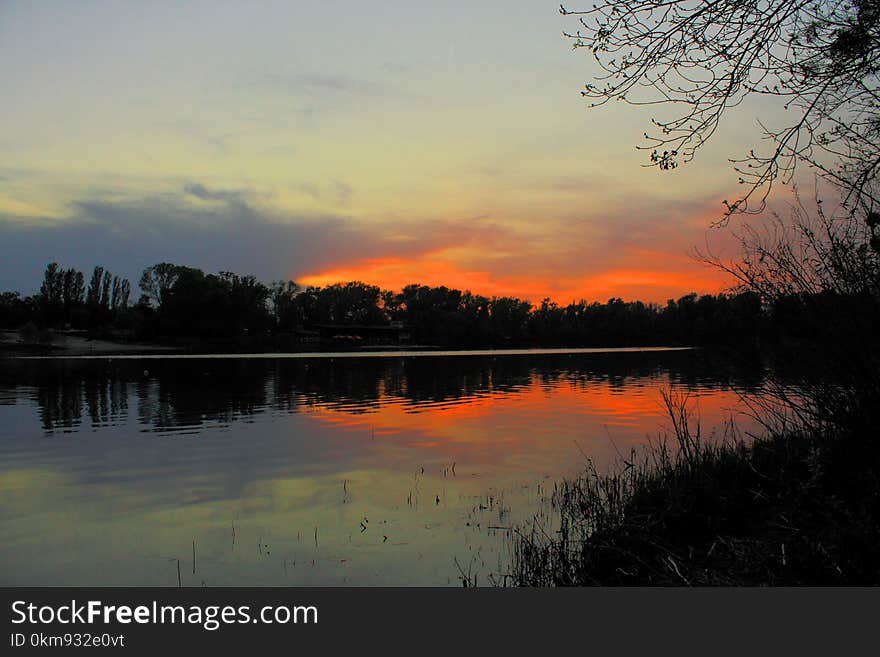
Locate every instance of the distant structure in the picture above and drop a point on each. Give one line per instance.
(396, 333)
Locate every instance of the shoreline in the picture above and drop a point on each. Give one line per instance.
(65, 345)
(690, 512)
(174, 354)
(78, 346)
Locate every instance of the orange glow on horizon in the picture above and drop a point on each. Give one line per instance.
(649, 283)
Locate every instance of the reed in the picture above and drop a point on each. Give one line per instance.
(792, 507)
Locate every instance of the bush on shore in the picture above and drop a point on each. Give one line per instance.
(794, 507)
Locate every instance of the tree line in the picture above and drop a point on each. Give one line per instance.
(184, 305)
(66, 301)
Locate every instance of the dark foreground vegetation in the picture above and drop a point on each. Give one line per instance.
(794, 507)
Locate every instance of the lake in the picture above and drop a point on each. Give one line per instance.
(338, 469)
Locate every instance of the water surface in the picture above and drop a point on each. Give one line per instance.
(340, 469)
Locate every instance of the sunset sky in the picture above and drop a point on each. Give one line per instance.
(390, 142)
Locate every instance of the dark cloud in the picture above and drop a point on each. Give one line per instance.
(232, 232)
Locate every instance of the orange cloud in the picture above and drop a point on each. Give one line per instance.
(634, 256)
(656, 280)
(397, 272)
(653, 285)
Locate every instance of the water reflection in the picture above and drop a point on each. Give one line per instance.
(183, 395)
(397, 464)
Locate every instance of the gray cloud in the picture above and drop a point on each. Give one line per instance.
(234, 232)
(226, 195)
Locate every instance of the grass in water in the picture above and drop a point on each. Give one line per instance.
(794, 507)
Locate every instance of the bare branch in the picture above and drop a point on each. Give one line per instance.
(821, 58)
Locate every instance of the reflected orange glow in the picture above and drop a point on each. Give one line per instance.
(488, 430)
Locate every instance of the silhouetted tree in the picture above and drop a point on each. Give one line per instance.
(115, 293)
(342, 303)
(52, 293)
(285, 310)
(106, 295)
(212, 306)
(157, 280)
(245, 302)
(74, 288)
(16, 311)
(821, 59)
(509, 318)
(818, 274)
(93, 293)
(241, 311)
(124, 293)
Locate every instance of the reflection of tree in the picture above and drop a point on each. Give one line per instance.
(354, 384)
(60, 401)
(106, 398)
(64, 392)
(187, 395)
